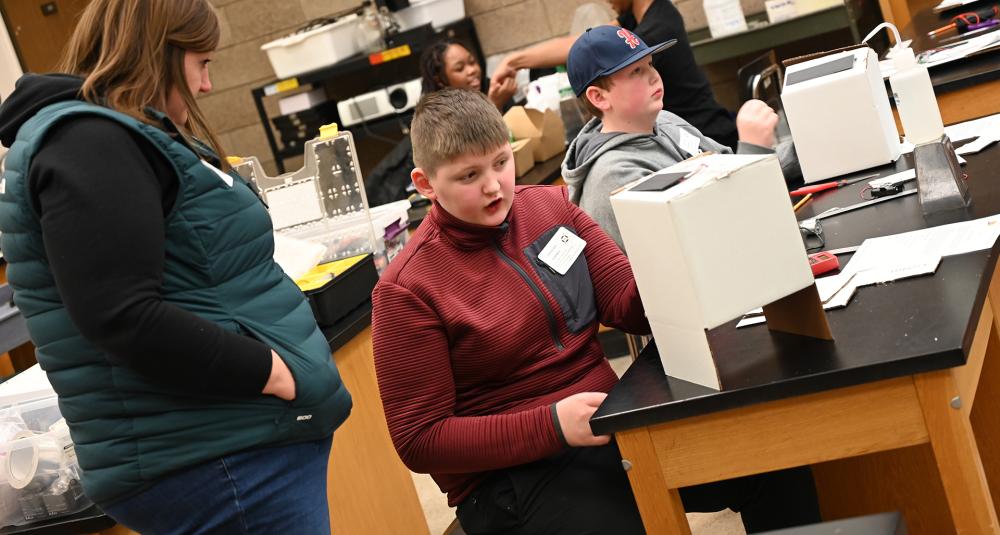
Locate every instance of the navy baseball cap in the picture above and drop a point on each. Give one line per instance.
(605, 50)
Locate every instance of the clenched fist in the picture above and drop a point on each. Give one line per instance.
(756, 122)
(574, 415)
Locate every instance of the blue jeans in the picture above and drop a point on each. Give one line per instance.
(270, 490)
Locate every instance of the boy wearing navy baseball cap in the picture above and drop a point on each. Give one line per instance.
(631, 136)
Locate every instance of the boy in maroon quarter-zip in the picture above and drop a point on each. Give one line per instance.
(485, 338)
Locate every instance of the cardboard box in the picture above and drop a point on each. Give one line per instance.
(524, 158)
(715, 245)
(838, 111)
(546, 128)
(301, 101)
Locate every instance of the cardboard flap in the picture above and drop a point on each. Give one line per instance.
(546, 128)
(549, 122)
(799, 59)
(520, 123)
(799, 313)
(524, 158)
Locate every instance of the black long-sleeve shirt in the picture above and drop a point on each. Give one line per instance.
(686, 91)
(103, 193)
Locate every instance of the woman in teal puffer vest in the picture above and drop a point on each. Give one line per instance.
(199, 391)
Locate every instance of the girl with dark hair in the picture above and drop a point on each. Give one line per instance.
(198, 389)
(448, 63)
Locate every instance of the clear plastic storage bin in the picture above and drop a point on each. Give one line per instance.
(324, 202)
(349, 235)
(39, 472)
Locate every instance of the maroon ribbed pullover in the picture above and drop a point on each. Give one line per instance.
(466, 355)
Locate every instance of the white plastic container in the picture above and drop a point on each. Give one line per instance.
(314, 49)
(437, 12)
(914, 96)
(725, 17)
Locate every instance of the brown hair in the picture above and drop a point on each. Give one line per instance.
(131, 54)
(605, 83)
(452, 122)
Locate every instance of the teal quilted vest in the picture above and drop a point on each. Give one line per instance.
(130, 431)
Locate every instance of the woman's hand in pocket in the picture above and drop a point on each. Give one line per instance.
(280, 383)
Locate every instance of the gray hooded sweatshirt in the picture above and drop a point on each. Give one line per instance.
(598, 163)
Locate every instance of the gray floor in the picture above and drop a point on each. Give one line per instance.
(439, 515)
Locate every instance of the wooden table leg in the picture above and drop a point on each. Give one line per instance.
(660, 506)
(957, 455)
(983, 415)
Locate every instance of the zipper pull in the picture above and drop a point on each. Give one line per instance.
(546, 266)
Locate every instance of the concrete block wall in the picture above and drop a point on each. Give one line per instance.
(240, 65)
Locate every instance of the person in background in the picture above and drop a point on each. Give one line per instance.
(446, 63)
(199, 391)
(631, 136)
(449, 63)
(486, 348)
(686, 91)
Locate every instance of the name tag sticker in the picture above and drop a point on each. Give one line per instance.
(689, 143)
(562, 250)
(225, 178)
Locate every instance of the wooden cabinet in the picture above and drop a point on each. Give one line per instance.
(369, 489)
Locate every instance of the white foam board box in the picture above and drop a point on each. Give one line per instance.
(839, 117)
(719, 243)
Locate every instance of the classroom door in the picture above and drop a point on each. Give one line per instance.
(40, 29)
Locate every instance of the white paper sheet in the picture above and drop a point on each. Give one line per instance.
(899, 256)
(974, 128)
(977, 145)
(296, 257)
(905, 147)
(912, 248)
(948, 4)
(294, 204)
(947, 53)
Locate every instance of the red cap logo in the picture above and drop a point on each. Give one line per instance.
(630, 39)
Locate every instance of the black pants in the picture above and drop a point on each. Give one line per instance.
(585, 491)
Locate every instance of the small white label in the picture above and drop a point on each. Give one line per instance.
(304, 417)
(779, 10)
(562, 250)
(225, 178)
(689, 143)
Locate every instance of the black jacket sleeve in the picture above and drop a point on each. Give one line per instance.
(102, 192)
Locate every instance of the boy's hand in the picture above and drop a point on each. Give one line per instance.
(501, 92)
(280, 383)
(756, 122)
(574, 415)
